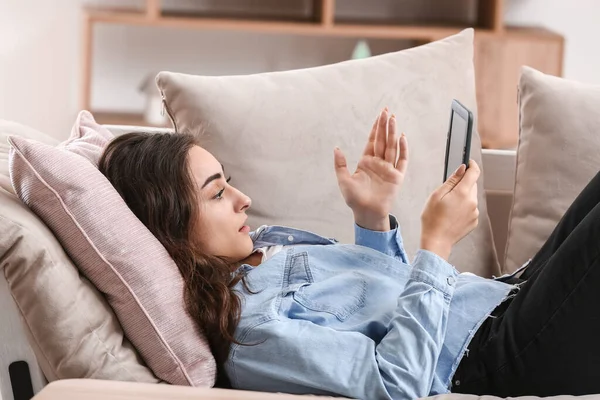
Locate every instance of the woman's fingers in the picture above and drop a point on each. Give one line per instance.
(391, 145)
(370, 147)
(340, 165)
(402, 163)
(469, 179)
(381, 136)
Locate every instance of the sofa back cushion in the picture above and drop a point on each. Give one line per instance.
(559, 147)
(275, 134)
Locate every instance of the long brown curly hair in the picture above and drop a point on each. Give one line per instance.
(150, 172)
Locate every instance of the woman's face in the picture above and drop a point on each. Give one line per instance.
(221, 229)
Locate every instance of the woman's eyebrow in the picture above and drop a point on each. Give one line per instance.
(213, 177)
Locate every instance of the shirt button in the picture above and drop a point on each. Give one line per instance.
(451, 281)
(290, 238)
(457, 382)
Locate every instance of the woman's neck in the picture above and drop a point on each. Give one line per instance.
(253, 259)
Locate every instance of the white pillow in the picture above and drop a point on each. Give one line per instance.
(558, 154)
(275, 134)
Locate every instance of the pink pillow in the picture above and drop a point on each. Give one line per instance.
(88, 138)
(113, 249)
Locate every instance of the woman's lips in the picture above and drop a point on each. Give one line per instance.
(245, 229)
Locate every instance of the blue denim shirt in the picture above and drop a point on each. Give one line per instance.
(355, 320)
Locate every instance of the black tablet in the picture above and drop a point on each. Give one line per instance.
(458, 143)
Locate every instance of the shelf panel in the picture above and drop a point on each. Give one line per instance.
(326, 11)
(417, 32)
(153, 8)
(122, 12)
(370, 30)
(491, 14)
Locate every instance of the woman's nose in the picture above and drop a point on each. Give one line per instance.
(245, 202)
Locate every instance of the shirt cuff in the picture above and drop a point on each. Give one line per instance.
(433, 270)
(389, 242)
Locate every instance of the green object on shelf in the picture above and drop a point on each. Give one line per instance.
(361, 50)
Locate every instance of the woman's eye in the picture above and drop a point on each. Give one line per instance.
(219, 195)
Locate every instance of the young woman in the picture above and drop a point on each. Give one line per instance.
(290, 311)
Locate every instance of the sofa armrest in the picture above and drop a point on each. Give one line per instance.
(499, 168)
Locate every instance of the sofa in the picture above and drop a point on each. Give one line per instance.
(59, 315)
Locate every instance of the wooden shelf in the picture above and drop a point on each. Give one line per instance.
(499, 51)
(416, 32)
(322, 23)
(498, 60)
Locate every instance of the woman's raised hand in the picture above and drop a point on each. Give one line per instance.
(371, 190)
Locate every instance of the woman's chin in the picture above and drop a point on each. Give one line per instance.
(247, 245)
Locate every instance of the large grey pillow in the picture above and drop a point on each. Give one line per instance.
(275, 134)
(558, 154)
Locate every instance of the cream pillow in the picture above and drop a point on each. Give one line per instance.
(558, 154)
(115, 251)
(275, 134)
(72, 329)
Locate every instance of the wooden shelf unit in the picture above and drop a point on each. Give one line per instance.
(492, 40)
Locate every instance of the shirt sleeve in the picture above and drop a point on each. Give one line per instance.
(389, 242)
(298, 356)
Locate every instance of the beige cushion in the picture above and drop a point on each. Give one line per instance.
(558, 155)
(71, 327)
(275, 134)
(113, 249)
(74, 330)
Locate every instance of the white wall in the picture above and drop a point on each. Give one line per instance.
(125, 55)
(577, 20)
(40, 62)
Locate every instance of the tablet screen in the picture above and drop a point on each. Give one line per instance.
(458, 137)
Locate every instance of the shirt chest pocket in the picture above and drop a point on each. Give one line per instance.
(317, 297)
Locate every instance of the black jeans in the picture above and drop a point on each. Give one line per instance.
(545, 340)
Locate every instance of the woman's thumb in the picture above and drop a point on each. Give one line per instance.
(454, 179)
(341, 167)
